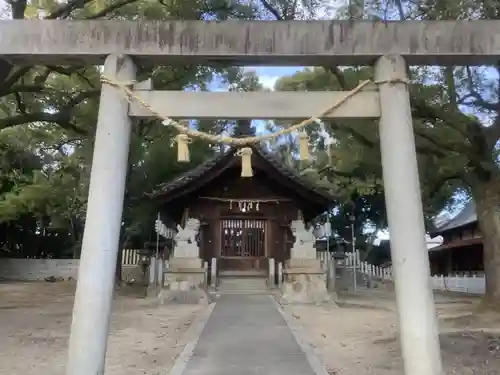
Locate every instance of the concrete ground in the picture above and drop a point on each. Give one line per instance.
(247, 334)
(35, 318)
(361, 336)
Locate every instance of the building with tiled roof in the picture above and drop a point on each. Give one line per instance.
(462, 247)
(244, 221)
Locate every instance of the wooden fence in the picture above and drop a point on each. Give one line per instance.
(131, 257)
(473, 283)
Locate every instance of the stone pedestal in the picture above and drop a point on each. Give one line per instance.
(185, 279)
(305, 282)
(185, 282)
(303, 251)
(304, 278)
(187, 250)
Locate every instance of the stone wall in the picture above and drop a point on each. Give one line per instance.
(132, 274)
(39, 269)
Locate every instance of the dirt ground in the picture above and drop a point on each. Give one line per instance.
(34, 326)
(361, 336)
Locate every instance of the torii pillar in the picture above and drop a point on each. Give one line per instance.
(94, 291)
(410, 260)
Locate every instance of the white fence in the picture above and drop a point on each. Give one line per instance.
(462, 283)
(130, 257)
(353, 259)
(323, 256)
(475, 284)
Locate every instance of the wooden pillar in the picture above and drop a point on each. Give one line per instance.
(449, 261)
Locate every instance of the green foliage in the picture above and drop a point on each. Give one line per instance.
(47, 122)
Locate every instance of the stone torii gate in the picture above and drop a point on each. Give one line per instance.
(390, 46)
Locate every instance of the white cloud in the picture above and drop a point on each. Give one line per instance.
(268, 81)
(430, 242)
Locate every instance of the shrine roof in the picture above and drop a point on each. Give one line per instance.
(199, 176)
(465, 217)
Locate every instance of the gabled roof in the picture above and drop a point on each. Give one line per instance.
(202, 174)
(187, 177)
(465, 217)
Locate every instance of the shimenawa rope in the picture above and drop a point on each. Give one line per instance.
(186, 133)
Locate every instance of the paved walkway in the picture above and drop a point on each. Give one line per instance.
(247, 335)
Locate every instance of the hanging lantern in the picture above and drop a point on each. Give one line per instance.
(182, 147)
(303, 146)
(246, 161)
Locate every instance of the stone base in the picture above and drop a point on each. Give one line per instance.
(303, 263)
(303, 251)
(153, 291)
(305, 282)
(185, 263)
(185, 282)
(132, 274)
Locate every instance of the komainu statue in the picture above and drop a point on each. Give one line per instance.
(188, 233)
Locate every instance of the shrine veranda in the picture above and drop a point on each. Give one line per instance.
(388, 46)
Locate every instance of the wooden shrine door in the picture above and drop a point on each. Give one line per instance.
(243, 244)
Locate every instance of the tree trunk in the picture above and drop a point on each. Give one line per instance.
(487, 198)
(118, 269)
(119, 258)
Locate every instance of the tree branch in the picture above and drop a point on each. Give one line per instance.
(422, 110)
(110, 9)
(359, 137)
(80, 97)
(55, 118)
(22, 88)
(59, 146)
(62, 117)
(65, 10)
(440, 182)
(18, 8)
(478, 99)
(21, 106)
(440, 145)
(335, 172)
(451, 87)
(335, 70)
(14, 77)
(271, 10)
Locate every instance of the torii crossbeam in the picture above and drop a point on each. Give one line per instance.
(390, 46)
(298, 43)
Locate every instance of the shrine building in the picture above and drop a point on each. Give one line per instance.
(244, 222)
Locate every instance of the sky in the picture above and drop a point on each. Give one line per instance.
(269, 75)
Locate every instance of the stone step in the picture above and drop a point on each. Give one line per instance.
(242, 285)
(243, 280)
(236, 289)
(242, 273)
(243, 292)
(225, 289)
(259, 283)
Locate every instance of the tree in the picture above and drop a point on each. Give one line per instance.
(456, 116)
(465, 102)
(51, 111)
